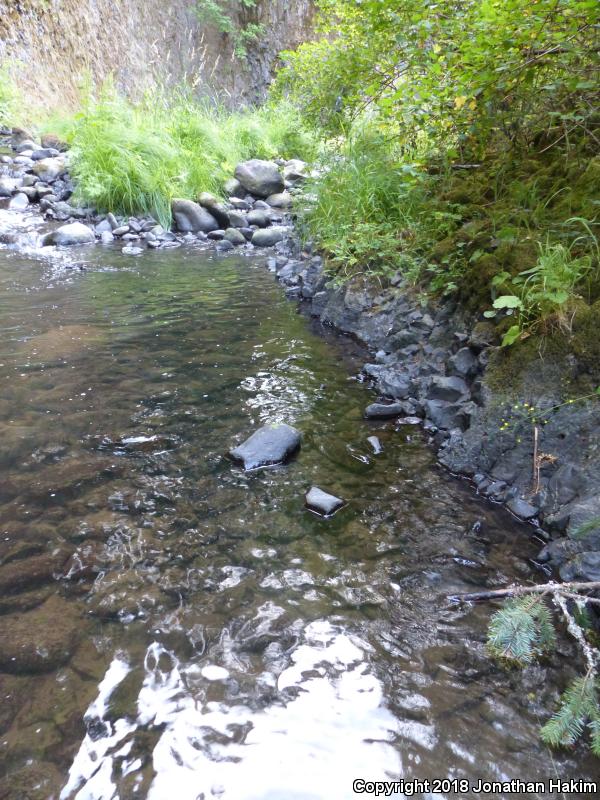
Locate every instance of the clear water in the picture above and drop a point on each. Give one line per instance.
(221, 640)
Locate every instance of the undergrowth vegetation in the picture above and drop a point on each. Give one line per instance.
(487, 113)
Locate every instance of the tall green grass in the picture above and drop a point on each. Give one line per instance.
(135, 158)
(371, 207)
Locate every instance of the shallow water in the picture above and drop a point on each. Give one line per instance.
(210, 637)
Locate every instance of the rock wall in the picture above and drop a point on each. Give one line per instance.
(52, 45)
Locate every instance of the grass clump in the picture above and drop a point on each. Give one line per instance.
(371, 209)
(134, 159)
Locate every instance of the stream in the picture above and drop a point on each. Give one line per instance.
(173, 627)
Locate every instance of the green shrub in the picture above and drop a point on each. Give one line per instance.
(372, 209)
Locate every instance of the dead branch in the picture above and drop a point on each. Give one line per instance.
(519, 591)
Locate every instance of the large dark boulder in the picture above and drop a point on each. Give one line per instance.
(191, 217)
(260, 178)
(272, 444)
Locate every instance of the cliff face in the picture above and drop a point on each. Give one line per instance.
(52, 45)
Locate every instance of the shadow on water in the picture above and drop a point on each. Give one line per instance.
(171, 626)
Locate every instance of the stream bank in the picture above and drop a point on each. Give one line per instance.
(447, 369)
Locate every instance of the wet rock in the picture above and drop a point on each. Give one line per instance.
(8, 186)
(234, 236)
(260, 178)
(40, 640)
(521, 508)
(268, 237)
(41, 153)
(191, 217)
(584, 567)
(216, 236)
(72, 234)
(237, 219)
(225, 246)
(128, 250)
(280, 200)
(375, 444)
(385, 411)
(19, 202)
(215, 208)
(48, 169)
(323, 503)
(107, 237)
(465, 363)
(259, 218)
(233, 188)
(269, 445)
(449, 389)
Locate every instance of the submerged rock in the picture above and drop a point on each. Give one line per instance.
(385, 410)
(74, 233)
(40, 640)
(270, 445)
(260, 178)
(323, 503)
(375, 444)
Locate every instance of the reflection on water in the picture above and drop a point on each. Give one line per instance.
(173, 627)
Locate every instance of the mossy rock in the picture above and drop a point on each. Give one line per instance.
(474, 291)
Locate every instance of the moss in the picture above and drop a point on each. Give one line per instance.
(474, 288)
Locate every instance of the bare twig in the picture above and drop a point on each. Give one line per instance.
(591, 655)
(518, 591)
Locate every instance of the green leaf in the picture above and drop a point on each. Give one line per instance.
(508, 301)
(511, 336)
(489, 314)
